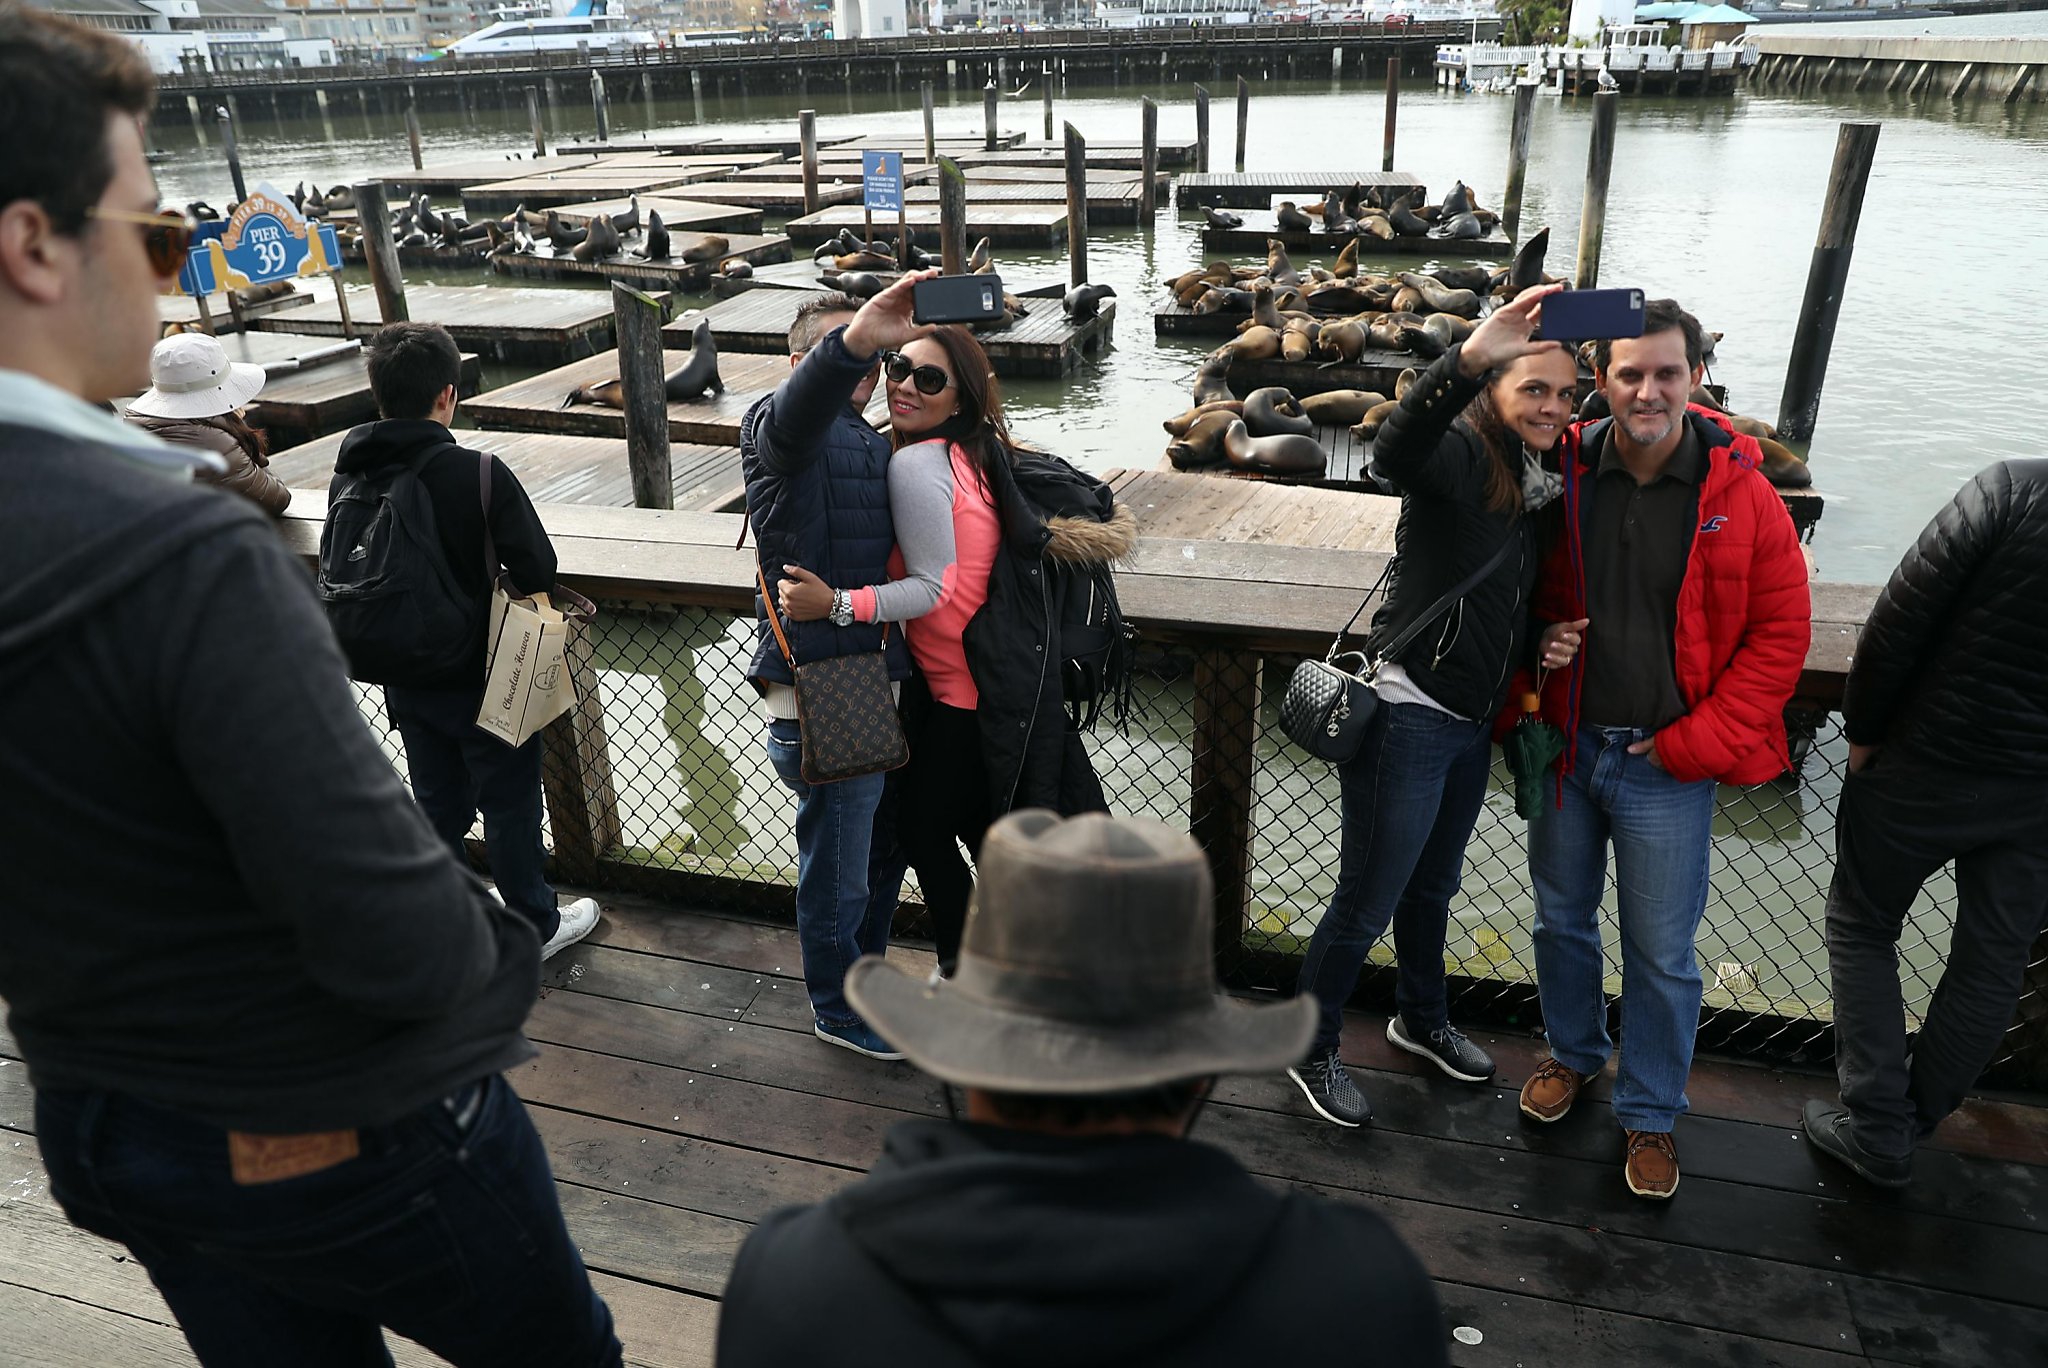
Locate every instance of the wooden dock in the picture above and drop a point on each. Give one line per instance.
(443, 179)
(677, 214)
(1258, 227)
(539, 327)
(1108, 156)
(1769, 1254)
(1004, 225)
(1044, 343)
(832, 170)
(558, 469)
(674, 274)
(183, 310)
(1193, 505)
(1258, 189)
(535, 404)
(599, 181)
(1111, 203)
(777, 197)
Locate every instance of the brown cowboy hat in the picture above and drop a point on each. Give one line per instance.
(1085, 968)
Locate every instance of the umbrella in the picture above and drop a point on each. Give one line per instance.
(1532, 745)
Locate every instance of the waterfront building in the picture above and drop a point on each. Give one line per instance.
(203, 35)
(870, 19)
(957, 14)
(361, 30)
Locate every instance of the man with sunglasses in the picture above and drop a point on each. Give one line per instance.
(818, 497)
(264, 1009)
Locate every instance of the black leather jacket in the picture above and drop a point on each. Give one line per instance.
(1953, 663)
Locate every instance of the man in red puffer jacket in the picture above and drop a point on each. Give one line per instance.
(1679, 569)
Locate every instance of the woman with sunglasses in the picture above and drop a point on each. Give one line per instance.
(196, 398)
(983, 526)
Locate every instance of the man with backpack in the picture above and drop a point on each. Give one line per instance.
(417, 529)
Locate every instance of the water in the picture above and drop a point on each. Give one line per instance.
(1714, 202)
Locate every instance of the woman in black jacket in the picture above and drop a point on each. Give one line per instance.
(1464, 451)
(984, 528)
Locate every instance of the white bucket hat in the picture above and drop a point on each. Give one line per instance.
(191, 377)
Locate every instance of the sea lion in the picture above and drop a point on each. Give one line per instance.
(1298, 340)
(1273, 410)
(628, 222)
(1422, 342)
(1448, 329)
(562, 238)
(859, 284)
(1279, 269)
(600, 240)
(698, 375)
(340, 197)
(1282, 454)
(1386, 331)
(259, 294)
(1254, 344)
(1459, 227)
(980, 259)
(1459, 201)
(1291, 219)
(1084, 302)
(427, 218)
(1402, 216)
(1179, 424)
(1404, 382)
(655, 244)
(855, 261)
(414, 239)
(1347, 261)
(1527, 269)
(1340, 343)
(1407, 299)
(1340, 407)
(1752, 427)
(733, 268)
(1203, 443)
(1473, 278)
(1354, 201)
(1341, 298)
(1263, 313)
(1376, 226)
(608, 393)
(710, 247)
(1782, 466)
(1366, 428)
(1221, 218)
(1318, 275)
(1441, 299)
(1212, 377)
(1217, 300)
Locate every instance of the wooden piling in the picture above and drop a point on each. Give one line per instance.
(540, 142)
(2021, 82)
(1201, 128)
(599, 107)
(639, 319)
(1593, 209)
(952, 217)
(988, 119)
(1518, 159)
(1393, 108)
(227, 137)
(412, 134)
(380, 250)
(1826, 278)
(1077, 207)
(807, 137)
(924, 98)
(1045, 75)
(1148, 160)
(1244, 118)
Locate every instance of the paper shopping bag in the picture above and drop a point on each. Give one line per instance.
(527, 682)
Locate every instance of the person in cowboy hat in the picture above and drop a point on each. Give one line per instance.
(195, 399)
(1069, 1219)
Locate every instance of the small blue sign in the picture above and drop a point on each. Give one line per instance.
(881, 175)
(266, 239)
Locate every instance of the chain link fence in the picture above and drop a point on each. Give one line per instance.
(683, 770)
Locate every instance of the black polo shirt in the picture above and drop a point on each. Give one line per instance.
(1638, 537)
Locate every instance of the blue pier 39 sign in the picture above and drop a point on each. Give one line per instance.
(881, 175)
(265, 239)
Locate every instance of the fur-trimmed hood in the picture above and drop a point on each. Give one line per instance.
(1090, 539)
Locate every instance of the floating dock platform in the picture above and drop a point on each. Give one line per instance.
(536, 327)
(1259, 227)
(674, 274)
(677, 215)
(1258, 189)
(1004, 225)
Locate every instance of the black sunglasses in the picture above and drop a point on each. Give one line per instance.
(929, 379)
(166, 236)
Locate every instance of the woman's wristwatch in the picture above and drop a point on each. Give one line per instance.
(842, 608)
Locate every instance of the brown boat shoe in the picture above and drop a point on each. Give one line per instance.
(1551, 1090)
(1651, 1164)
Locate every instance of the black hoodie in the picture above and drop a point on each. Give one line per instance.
(220, 898)
(981, 1245)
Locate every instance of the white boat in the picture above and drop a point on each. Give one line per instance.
(586, 26)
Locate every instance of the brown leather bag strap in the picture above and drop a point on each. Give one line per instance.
(774, 618)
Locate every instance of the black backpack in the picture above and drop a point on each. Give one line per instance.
(1097, 647)
(394, 604)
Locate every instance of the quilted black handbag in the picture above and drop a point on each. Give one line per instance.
(846, 709)
(1330, 702)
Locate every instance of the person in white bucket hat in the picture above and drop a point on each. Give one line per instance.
(195, 398)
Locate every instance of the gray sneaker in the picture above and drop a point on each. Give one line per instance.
(1330, 1089)
(1446, 1047)
(1830, 1130)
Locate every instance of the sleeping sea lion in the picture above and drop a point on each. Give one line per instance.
(1283, 454)
(1782, 466)
(1527, 269)
(734, 268)
(1422, 342)
(707, 248)
(855, 261)
(1298, 339)
(1273, 410)
(1217, 300)
(1179, 424)
(1448, 328)
(1366, 428)
(1473, 278)
(1340, 298)
(1291, 219)
(698, 375)
(1254, 344)
(1084, 302)
(1440, 298)
(1376, 226)
(655, 247)
(1340, 407)
(1203, 443)
(1212, 377)
(1221, 218)
(1408, 300)
(609, 393)
(1459, 227)
(859, 284)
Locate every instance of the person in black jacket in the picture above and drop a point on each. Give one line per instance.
(1463, 449)
(457, 768)
(1946, 710)
(1070, 1219)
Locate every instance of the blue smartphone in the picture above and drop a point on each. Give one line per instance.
(1577, 315)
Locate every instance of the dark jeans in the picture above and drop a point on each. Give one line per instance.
(1411, 797)
(445, 1228)
(458, 769)
(1900, 819)
(945, 805)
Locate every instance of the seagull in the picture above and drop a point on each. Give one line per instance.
(1607, 81)
(1010, 95)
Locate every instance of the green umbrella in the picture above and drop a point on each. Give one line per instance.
(1531, 747)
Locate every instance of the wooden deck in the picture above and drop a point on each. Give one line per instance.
(677, 215)
(674, 274)
(833, 169)
(184, 310)
(1106, 155)
(1200, 507)
(1111, 203)
(539, 327)
(604, 179)
(777, 197)
(1258, 189)
(1004, 225)
(1259, 227)
(535, 404)
(1043, 343)
(448, 178)
(557, 469)
(1766, 1256)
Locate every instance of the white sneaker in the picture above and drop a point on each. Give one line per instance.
(579, 919)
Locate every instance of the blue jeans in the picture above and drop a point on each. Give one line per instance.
(459, 769)
(1411, 797)
(445, 1228)
(847, 880)
(1660, 829)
